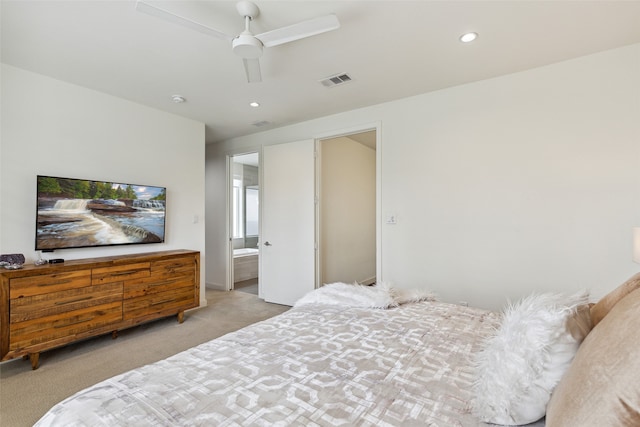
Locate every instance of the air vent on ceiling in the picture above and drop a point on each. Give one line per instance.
(336, 80)
(261, 123)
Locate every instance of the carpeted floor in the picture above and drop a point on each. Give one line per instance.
(25, 395)
(250, 286)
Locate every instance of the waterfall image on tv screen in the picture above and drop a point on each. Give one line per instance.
(77, 213)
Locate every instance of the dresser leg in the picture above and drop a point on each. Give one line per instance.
(114, 335)
(35, 360)
(180, 316)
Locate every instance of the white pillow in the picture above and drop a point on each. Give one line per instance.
(351, 295)
(380, 295)
(522, 363)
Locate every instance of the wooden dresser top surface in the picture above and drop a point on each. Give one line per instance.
(29, 269)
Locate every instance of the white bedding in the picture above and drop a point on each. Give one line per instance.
(315, 365)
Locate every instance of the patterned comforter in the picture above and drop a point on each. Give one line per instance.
(314, 365)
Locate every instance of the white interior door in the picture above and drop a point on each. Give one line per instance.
(287, 260)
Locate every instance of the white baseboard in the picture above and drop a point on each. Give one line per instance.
(216, 286)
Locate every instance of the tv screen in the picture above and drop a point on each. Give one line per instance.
(80, 213)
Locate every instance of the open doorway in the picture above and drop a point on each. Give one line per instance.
(347, 213)
(245, 220)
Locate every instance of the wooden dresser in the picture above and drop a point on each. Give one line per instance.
(42, 307)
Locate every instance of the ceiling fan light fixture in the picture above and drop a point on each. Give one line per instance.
(247, 46)
(468, 37)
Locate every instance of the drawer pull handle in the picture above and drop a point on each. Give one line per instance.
(123, 273)
(59, 282)
(74, 323)
(75, 300)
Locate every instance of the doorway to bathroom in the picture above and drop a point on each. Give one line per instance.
(245, 221)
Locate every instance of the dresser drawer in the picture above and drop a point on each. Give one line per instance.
(152, 285)
(175, 267)
(47, 283)
(120, 273)
(52, 303)
(165, 275)
(57, 327)
(171, 301)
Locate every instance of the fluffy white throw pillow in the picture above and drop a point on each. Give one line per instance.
(355, 295)
(526, 358)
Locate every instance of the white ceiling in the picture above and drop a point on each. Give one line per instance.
(391, 49)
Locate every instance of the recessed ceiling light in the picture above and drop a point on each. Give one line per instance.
(254, 104)
(468, 37)
(178, 99)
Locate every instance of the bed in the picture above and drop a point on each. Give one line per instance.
(318, 364)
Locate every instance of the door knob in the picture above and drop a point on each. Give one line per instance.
(267, 244)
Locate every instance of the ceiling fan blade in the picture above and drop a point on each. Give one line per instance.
(252, 68)
(152, 10)
(299, 31)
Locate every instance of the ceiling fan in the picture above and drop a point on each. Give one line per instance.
(246, 45)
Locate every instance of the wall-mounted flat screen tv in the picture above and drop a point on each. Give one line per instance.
(80, 213)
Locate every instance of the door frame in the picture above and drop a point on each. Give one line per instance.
(229, 285)
(336, 134)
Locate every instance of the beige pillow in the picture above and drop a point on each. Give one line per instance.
(602, 307)
(579, 323)
(601, 387)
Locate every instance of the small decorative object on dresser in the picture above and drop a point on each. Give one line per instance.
(47, 306)
(11, 261)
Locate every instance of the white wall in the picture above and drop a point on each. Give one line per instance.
(348, 211)
(54, 128)
(527, 182)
